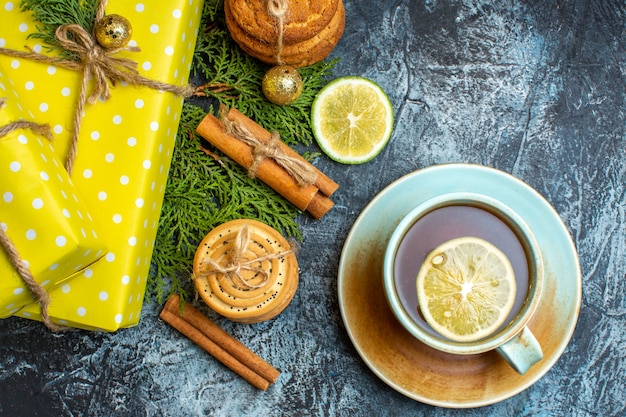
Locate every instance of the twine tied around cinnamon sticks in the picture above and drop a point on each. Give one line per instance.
(303, 173)
(278, 9)
(237, 263)
(313, 198)
(99, 64)
(38, 291)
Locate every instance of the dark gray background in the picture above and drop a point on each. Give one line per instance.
(536, 89)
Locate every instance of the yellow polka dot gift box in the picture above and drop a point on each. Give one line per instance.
(123, 150)
(46, 223)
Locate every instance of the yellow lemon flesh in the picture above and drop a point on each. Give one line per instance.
(466, 289)
(352, 119)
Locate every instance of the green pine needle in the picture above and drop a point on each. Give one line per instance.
(205, 191)
(224, 65)
(50, 14)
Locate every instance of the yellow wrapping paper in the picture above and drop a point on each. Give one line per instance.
(124, 150)
(43, 216)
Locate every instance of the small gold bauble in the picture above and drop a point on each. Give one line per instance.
(113, 31)
(282, 85)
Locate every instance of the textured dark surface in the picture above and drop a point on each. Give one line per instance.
(536, 89)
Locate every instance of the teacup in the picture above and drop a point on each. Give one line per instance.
(455, 215)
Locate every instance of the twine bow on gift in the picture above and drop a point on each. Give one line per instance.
(98, 64)
(303, 173)
(237, 263)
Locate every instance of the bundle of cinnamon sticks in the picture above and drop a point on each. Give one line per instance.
(221, 345)
(313, 197)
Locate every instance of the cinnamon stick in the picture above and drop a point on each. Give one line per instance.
(213, 339)
(325, 184)
(308, 198)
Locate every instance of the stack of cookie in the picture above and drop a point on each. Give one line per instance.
(246, 271)
(301, 33)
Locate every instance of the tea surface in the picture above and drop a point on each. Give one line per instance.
(441, 225)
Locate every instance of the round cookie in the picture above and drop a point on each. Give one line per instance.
(303, 20)
(297, 55)
(246, 271)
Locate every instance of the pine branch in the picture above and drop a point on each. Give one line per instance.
(237, 79)
(203, 190)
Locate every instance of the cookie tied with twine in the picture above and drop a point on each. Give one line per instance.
(286, 32)
(246, 271)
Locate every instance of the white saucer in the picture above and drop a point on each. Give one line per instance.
(404, 363)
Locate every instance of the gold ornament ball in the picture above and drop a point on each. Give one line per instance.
(282, 85)
(113, 31)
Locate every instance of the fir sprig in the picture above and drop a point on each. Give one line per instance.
(204, 191)
(223, 64)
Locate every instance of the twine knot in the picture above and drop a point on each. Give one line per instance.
(303, 173)
(98, 64)
(277, 8)
(237, 263)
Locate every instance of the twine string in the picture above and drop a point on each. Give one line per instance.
(40, 293)
(40, 129)
(236, 264)
(278, 10)
(302, 172)
(100, 11)
(98, 64)
(95, 63)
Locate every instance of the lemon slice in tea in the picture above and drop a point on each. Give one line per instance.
(352, 119)
(466, 289)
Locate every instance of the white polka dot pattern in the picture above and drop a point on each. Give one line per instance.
(124, 152)
(47, 229)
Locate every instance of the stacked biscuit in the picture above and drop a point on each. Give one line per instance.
(310, 29)
(246, 271)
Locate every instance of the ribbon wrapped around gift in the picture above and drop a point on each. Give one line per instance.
(124, 146)
(46, 230)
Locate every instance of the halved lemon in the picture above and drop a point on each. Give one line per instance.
(466, 289)
(352, 119)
